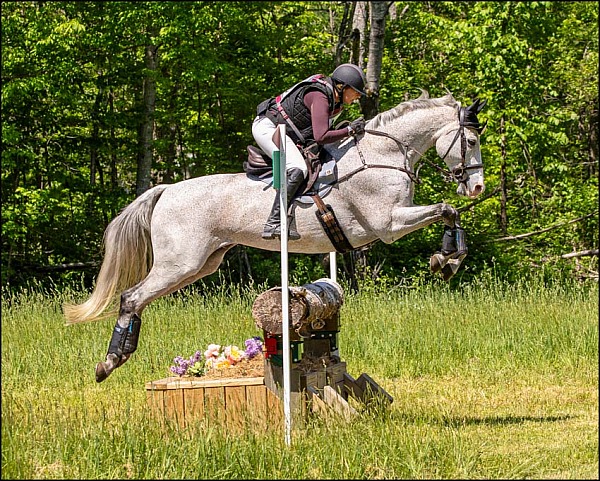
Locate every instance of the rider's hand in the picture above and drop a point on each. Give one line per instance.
(357, 126)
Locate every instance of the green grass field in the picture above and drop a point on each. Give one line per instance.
(491, 381)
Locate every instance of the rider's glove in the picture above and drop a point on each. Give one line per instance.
(357, 126)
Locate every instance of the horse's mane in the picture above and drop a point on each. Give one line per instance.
(423, 102)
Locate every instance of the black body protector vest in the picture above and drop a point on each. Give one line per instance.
(292, 103)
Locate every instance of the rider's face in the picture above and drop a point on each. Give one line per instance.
(350, 95)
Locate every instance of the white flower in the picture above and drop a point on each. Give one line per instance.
(212, 351)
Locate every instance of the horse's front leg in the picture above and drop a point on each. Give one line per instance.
(405, 220)
(454, 250)
(409, 219)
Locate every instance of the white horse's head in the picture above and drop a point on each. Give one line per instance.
(458, 145)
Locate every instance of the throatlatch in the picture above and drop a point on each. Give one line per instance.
(124, 341)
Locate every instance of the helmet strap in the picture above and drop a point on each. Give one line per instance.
(340, 92)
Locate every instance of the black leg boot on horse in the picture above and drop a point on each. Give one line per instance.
(272, 228)
(122, 345)
(454, 250)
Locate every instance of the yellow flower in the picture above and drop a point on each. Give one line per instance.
(233, 354)
(222, 364)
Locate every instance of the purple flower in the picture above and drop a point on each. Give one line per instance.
(253, 346)
(180, 371)
(180, 366)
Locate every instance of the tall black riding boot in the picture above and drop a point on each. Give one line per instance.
(272, 229)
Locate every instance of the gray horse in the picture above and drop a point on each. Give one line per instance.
(173, 235)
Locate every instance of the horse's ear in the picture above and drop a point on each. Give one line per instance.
(424, 94)
(449, 97)
(477, 106)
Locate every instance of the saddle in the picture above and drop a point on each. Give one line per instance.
(322, 172)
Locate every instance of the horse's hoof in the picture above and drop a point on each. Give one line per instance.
(450, 269)
(101, 372)
(448, 272)
(436, 262)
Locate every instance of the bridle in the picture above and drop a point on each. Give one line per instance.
(458, 173)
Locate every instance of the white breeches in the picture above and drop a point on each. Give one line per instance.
(263, 130)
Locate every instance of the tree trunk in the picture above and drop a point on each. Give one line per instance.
(359, 34)
(311, 305)
(503, 187)
(368, 35)
(144, 166)
(358, 261)
(345, 32)
(377, 14)
(95, 141)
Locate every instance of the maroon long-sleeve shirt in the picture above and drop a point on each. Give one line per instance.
(318, 105)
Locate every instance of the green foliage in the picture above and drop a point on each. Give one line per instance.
(72, 105)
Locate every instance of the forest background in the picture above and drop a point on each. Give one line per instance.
(102, 100)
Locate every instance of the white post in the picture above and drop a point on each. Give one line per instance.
(332, 266)
(285, 311)
(333, 277)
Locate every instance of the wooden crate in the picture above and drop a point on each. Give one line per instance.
(234, 402)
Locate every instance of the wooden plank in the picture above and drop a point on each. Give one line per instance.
(352, 388)
(274, 379)
(317, 347)
(193, 404)
(338, 403)
(335, 373)
(156, 401)
(174, 406)
(190, 383)
(256, 400)
(234, 381)
(339, 387)
(214, 404)
(316, 379)
(274, 410)
(159, 385)
(235, 406)
(321, 379)
(309, 379)
(371, 388)
(317, 405)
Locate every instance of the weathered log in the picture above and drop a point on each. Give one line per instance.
(310, 305)
(589, 252)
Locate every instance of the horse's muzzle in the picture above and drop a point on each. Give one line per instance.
(477, 191)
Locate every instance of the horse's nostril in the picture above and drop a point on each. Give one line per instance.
(477, 190)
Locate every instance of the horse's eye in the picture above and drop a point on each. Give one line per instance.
(472, 142)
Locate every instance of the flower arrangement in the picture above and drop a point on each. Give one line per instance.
(215, 358)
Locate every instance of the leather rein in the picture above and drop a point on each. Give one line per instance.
(457, 173)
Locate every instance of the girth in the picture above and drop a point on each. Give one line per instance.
(331, 226)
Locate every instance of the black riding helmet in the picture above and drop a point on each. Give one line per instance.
(350, 75)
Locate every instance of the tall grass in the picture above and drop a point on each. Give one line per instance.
(490, 380)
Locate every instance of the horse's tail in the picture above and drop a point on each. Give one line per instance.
(127, 258)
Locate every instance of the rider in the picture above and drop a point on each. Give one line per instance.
(310, 107)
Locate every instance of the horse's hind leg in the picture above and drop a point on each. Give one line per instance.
(158, 283)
